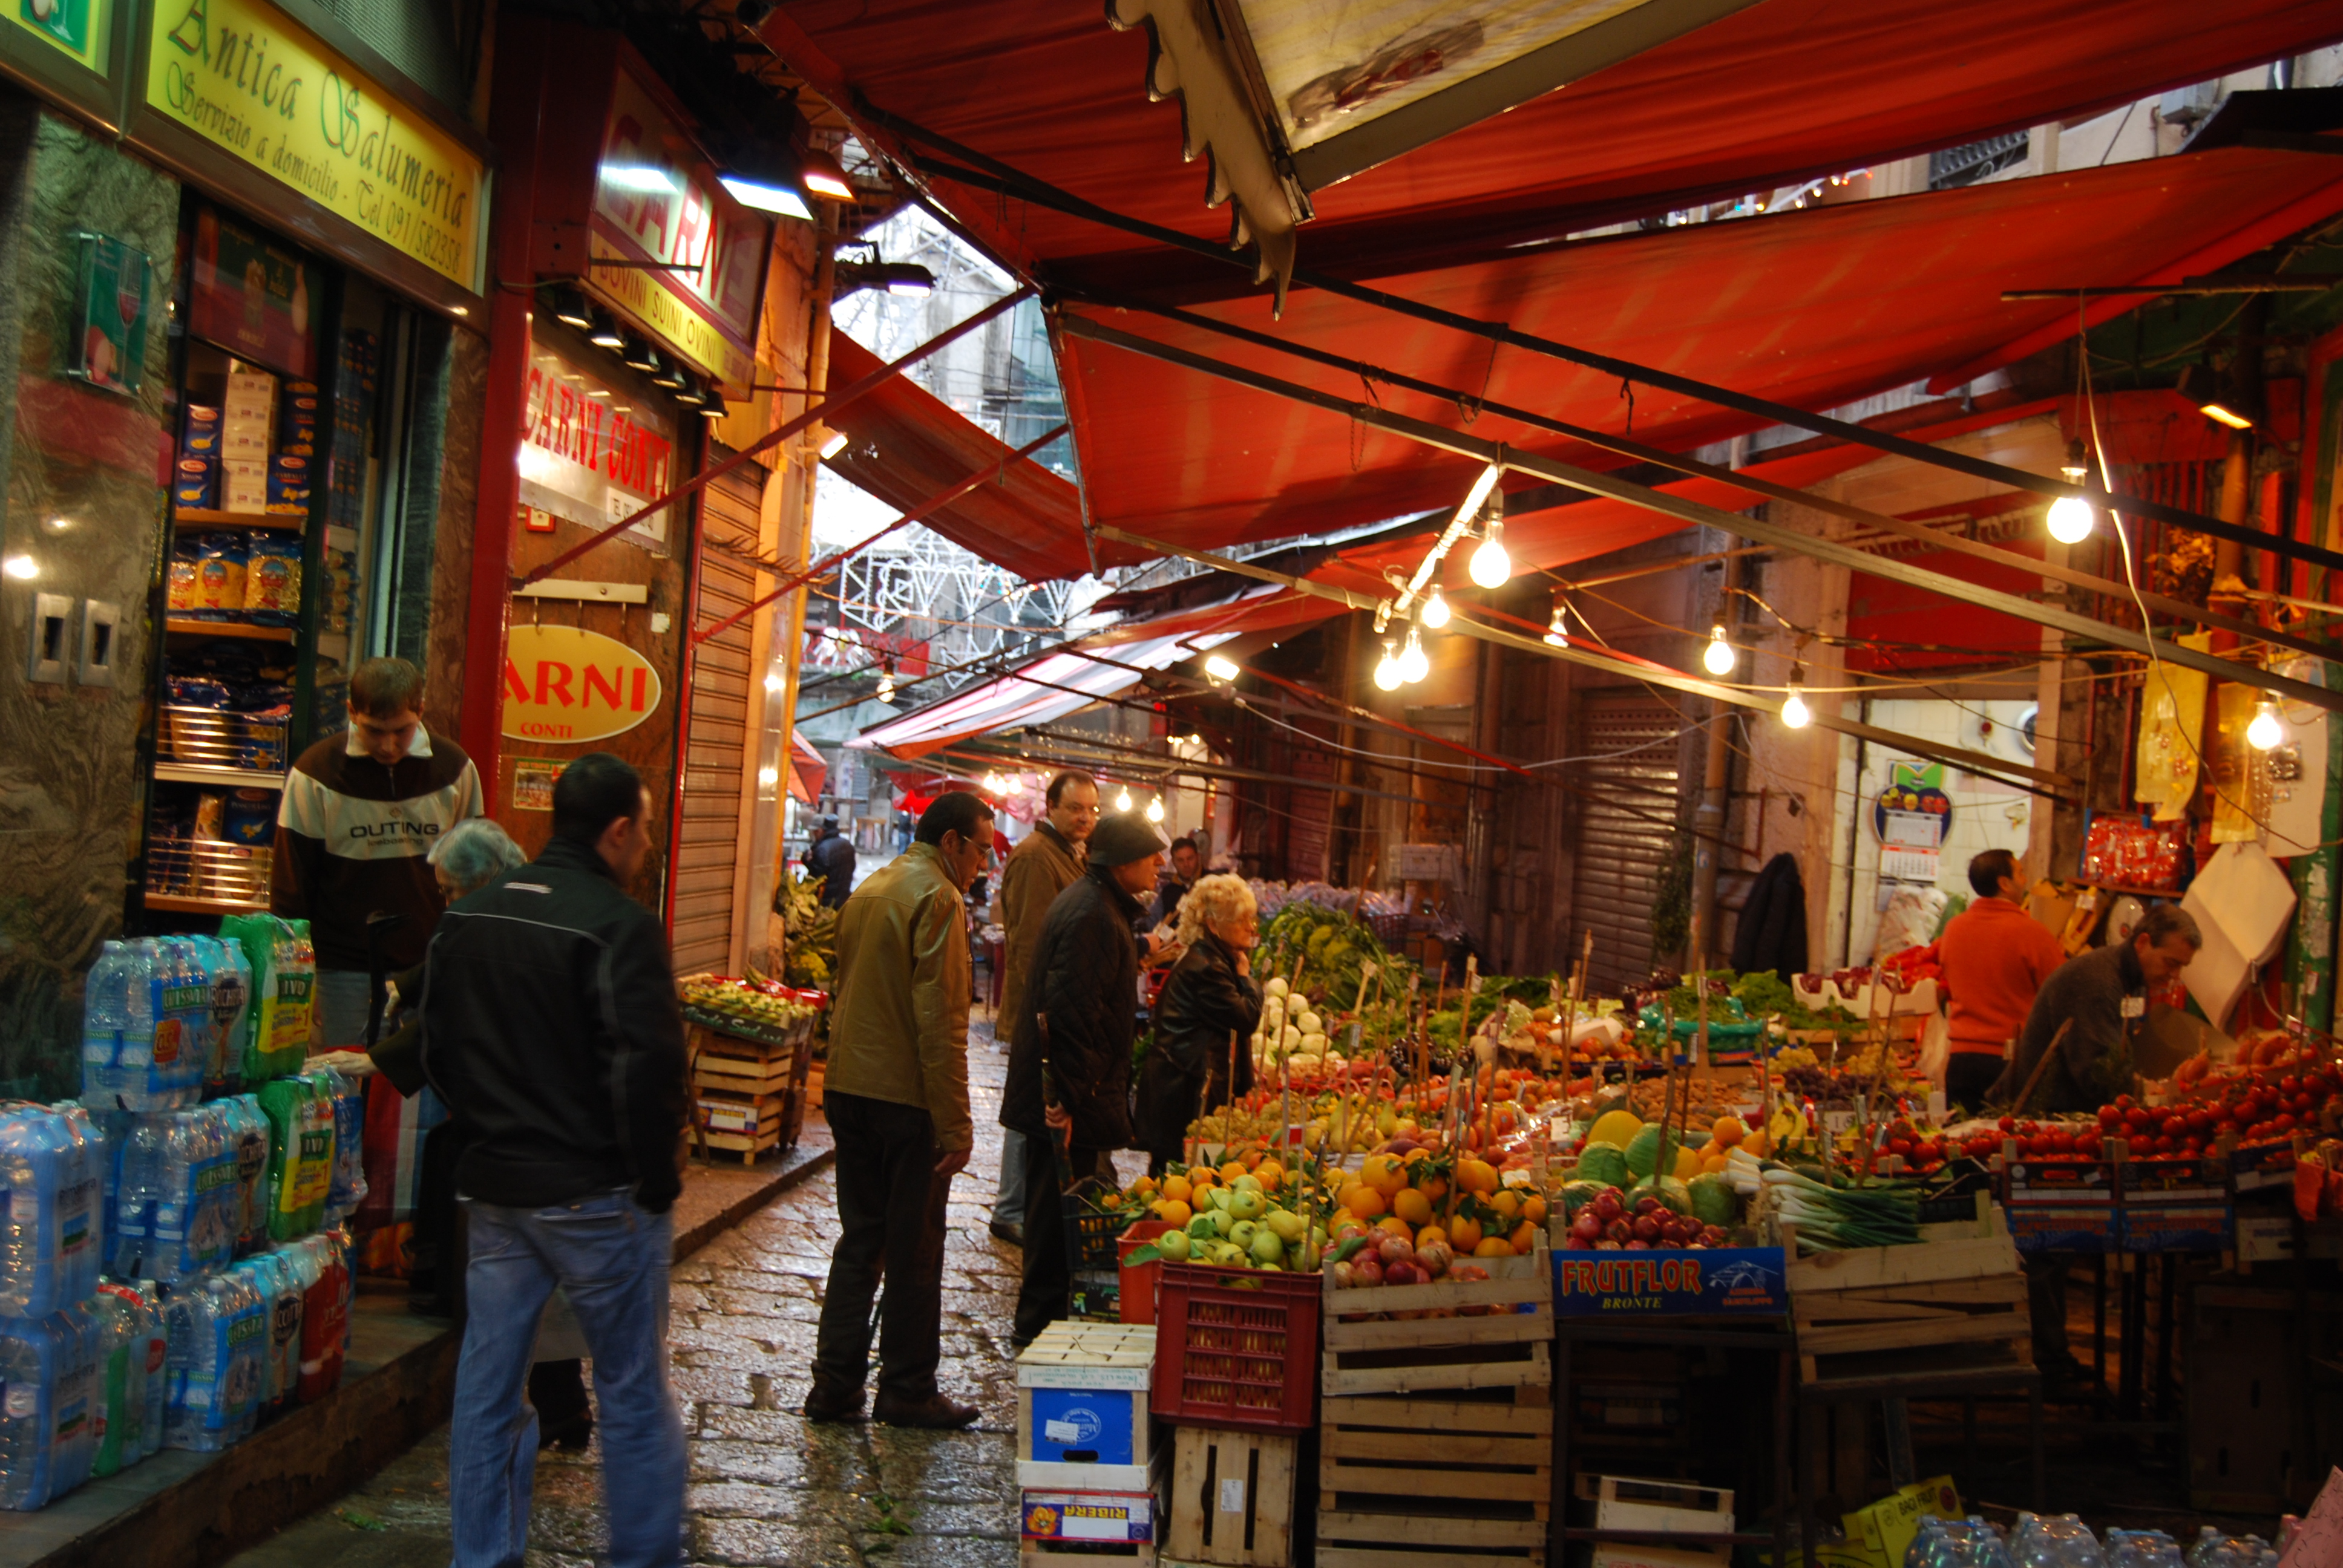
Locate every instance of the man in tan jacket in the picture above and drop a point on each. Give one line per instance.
(1046, 864)
(896, 1096)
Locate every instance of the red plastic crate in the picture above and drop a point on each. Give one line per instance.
(1135, 1290)
(1236, 1347)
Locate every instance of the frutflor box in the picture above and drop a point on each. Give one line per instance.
(1082, 1408)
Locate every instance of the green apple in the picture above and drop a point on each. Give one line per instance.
(1173, 1244)
(1267, 1249)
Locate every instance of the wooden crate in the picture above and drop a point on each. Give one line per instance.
(1436, 1434)
(751, 1069)
(1075, 1553)
(1952, 1303)
(1231, 1498)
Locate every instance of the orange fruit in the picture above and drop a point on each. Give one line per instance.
(1533, 1209)
(1728, 1130)
(1494, 1247)
(1232, 1170)
(1174, 1212)
(1463, 1234)
(1506, 1202)
(1434, 1187)
(1270, 1174)
(1428, 1235)
(1523, 1238)
(1411, 1206)
(1363, 1201)
(1392, 1225)
(1383, 1173)
(1179, 1189)
(1476, 1176)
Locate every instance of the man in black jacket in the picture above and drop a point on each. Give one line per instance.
(832, 858)
(1069, 1086)
(550, 1028)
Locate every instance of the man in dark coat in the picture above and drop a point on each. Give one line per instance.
(1069, 1086)
(832, 858)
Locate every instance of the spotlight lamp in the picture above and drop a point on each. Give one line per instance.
(1122, 798)
(635, 354)
(2265, 732)
(886, 688)
(1491, 568)
(569, 308)
(824, 175)
(1717, 657)
(1155, 810)
(1387, 675)
(1434, 613)
(604, 333)
(1794, 712)
(1413, 664)
(1557, 626)
(712, 406)
(1220, 670)
(833, 445)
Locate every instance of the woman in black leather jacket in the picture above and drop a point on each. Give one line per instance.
(1210, 996)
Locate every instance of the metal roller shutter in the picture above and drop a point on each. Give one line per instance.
(1618, 853)
(708, 837)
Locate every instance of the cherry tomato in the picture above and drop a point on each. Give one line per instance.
(2289, 1085)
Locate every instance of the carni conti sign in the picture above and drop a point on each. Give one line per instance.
(569, 686)
(245, 78)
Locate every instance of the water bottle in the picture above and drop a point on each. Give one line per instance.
(157, 1328)
(324, 1314)
(347, 1189)
(2142, 1549)
(74, 1426)
(81, 1202)
(213, 1357)
(24, 1378)
(231, 974)
(105, 1021)
(47, 1247)
(279, 1282)
(301, 1156)
(120, 1393)
(247, 1136)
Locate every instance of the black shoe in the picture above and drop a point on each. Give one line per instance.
(1002, 1230)
(935, 1410)
(828, 1404)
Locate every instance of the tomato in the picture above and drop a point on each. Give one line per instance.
(2173, 1127)
(2304, 1105)
(2007, 1124)
(2226, 1125)
(2283, 1122)
(2137, 1116)
(2200, 1120)
(2289, 1085)
(2123, 1101)
(2088, 1144)
(2109, 1116)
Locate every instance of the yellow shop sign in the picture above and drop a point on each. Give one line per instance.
(248, 80)
(568, 686)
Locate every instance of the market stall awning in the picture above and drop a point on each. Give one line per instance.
(1781, 91)
(905, 445)
(1815, 309)
(808, 769)
(1048, 689)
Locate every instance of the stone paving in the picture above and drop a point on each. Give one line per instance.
(766, 1486)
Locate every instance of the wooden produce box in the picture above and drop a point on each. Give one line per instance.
(734, 1070)
(1436, 1434)
(1952, 1303)
(1231, 1498)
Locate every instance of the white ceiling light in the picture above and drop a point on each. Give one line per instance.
(2071, 519)
(1794, 712)
(833, 445)
(1435, 609)
(1155, 810)
(2265, 732)
(1491, 568)
(641, 177)
(1717, 657)
(887, 689)
(1387, 676)
(1219, 668)
(1412, 664)
(766, 197)
(1557, 629)
(1123, 799)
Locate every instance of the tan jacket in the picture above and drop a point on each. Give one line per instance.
(899, 1029)
(1038, 871)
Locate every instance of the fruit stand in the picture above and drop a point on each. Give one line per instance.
(750, 1045)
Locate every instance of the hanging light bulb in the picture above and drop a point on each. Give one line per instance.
(1794, 712)
(1557, 630)
(1435, 609)
(2071, 519)
(1718, 655)
(1122, 798)
(1491, 567)
(2265, 732)
(887, 689)
(1412, 664)
(1387, 675)
(1155, 810)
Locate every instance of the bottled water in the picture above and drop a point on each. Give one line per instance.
(47, 1236)
(155, 1325)
(300, 1156)
(247, 1137)
(284, 982)
(277, 1279)
(25, 1376)
(347, 1187)
(116, 1014)
(120, 1397)
(2142, 1549)
(217, 1333)
(146, 1024)
(81, 1203)
(2059, 1541)
(178, 1211)
(231, 974)
(324, 1313)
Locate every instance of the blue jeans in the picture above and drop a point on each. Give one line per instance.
(610, 1258)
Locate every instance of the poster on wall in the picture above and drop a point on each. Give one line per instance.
(1912, 816)
(591, 455)
(113, 293)
(255, 298)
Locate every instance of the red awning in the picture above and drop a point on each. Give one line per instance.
(1814, 308)
(808, 769)
(906, 446)
(1783, 90)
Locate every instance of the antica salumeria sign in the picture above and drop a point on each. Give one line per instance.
(245, 78)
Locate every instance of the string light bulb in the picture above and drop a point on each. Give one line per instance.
(1155, 810)
(1122, 798)
(1413, 664)
(1435, 609)
(1794, 712)
(2072, 517)
(1717, 657)
(1557, 628)
(887, 689)
(1387, 669)
(1491, 568)
(2265, 732)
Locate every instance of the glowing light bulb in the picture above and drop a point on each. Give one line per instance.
(1123, 799)
(1435, 609)
(1718, 655)
(1794, 712)
(2072, 519)
(1557, 630)
(1412, 664)
(2265, 732)
(1219, 668)
(887, 689)
(1491, 567)
(1155, 810)
(1387, 669)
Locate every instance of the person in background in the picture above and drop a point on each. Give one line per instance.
(896, 1096)
(1187, 865)
(832, 858)
(551, 1024)
(1995, 956)
(1046, 864)
(468, 857)
(360, 813)
(1210, 998)
(1068, 1083)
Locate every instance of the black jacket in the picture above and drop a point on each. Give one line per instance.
(2095, 1062)
(399, 1053)
(1771, 932)
(1204, 1001)
(550, 1028)
(833, 857)
(1085, 979)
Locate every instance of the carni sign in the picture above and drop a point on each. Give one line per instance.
(242, 77)
(569, 686)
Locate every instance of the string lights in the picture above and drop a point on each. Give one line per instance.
(2072, 517)
(1122, 798)
(2265, 732)
(1413, 664)
(1387, 676)
(1155, 810)
(1434, 613)
(1794, 712)
(1717, 656)
(1491, 567)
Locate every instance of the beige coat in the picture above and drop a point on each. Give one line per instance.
(1038, 870)
(898, 1028)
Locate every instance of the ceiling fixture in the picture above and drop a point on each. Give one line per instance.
(1457, 527)
(1387, 676)
(2200, 386)
(1717, 657)
(905, 277)
(2265, 732)
(670, 376)
(2221, 414)
(1794, 712)
(1435, 609)
(1557, 628)
(886, 688)
(712, 407)
(1413, 664)
(832, 445)
(569, 308)
(1122, 798)
(1217, 669)
(20, 567)
(824, 175)
(1155, 810)
(1491, 566)
(638, 355)
(645, 178)
(766, 196)
(2072, 517)
(604, 333)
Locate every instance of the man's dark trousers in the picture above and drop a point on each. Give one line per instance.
(1046, 1292)
(890, 1202)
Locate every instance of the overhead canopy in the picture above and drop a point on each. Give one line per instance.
(1783, 90)
(1048, 689)
(906, 446)
(808, 769)
(1814, 308)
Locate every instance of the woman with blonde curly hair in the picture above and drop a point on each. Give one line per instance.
(1209, 999)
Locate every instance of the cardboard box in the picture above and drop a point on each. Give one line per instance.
(1713, 1282)
(1118, 1517)
(1878, 1536)
(1081, 1394)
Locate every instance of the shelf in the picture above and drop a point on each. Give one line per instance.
(1711, 1538)
(293, 522)
(173, 903)
(233, 778)
(229, 629)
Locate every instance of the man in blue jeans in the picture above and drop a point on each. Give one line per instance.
(550, 1026)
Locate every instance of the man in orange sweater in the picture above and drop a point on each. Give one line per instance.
(1995, 956)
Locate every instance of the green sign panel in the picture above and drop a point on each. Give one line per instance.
(77, 27)
(110, 307)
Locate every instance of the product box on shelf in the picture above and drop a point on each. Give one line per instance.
(1082, 1407)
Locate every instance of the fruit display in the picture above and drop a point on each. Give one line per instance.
(1407, 1214)
(754, 1008)
(1331, 949)
(1248, 1213)
(810, 930)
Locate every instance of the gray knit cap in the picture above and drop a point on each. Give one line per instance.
(1124, 836)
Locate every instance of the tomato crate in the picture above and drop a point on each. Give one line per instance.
(1236, 1347)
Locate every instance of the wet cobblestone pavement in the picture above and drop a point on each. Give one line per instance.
(766, 1486)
